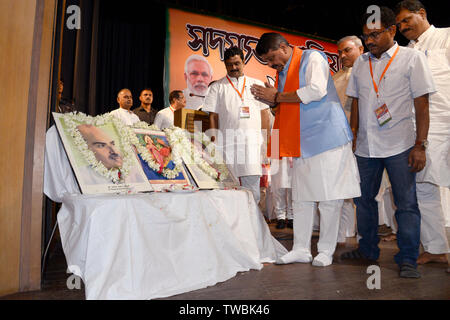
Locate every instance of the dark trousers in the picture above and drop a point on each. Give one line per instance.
(403, 184)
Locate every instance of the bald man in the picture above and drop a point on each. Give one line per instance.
(105, 151)
(103, 147)
(125, 101)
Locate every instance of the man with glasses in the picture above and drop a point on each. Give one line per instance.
(412, 22)
(386, 84)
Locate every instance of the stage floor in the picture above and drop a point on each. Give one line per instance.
(340, 281)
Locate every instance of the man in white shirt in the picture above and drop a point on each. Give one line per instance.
(386, 84)
(198, 74)
(124, 113)
(435, 43)
(165, 118)
(239, 118)
(324, 169)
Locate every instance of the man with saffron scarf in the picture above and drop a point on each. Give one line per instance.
(314, 131)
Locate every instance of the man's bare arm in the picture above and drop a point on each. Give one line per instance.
(417, 157)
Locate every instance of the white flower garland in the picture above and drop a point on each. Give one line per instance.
(148, 158)
(74, 119)
(180, 137)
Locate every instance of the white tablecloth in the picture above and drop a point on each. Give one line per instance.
(146, 246)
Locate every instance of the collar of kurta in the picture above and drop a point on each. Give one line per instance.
(125, 110)
(286, 128)
(424, 35)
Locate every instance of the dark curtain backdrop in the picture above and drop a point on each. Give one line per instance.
(121, 43)
(131, 39)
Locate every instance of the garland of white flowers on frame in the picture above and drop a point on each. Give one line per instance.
(179, 137)
(75, 119)
(148, 158)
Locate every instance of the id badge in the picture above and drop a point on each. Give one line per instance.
(382, 113)
(244, 112)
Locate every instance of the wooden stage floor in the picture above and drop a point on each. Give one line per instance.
(340, 281)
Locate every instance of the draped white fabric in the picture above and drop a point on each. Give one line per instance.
(145, 246)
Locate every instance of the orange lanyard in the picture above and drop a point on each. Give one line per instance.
(173, 110)
(384, 72)
(241, 94)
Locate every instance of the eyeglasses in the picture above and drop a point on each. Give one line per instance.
(373, 35)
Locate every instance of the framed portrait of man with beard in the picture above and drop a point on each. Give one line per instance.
(99, 162)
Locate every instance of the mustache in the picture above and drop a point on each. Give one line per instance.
(114, 156)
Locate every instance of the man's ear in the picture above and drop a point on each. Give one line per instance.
(422, 13)
(284, 47)
(393, 30)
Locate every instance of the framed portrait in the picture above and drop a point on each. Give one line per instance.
(206, 165)
(162, 168)
(100, 155)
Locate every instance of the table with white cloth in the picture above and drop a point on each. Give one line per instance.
(146, 246)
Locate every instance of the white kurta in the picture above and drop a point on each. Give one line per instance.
(330, 175)
(340, 79)
(128, 117)
(164, 118)
(281, 173)
(240, 137)
(435, 43)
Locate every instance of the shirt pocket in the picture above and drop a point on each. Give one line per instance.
(394, 84)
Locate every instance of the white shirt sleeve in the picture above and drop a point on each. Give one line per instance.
(317, 73)
(159, 119)
(352, 86)
(420, 77)
(210, 103)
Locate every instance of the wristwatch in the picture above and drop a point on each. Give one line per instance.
(423, 143)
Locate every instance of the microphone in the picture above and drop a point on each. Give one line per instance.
(195, 95)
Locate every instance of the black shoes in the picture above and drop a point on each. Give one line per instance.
(407, 270)
(356, 256)
(290, 224)
(281, 224)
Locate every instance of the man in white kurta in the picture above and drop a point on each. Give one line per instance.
(281, 186)
(435, 43)
(165, 118)
(239, 118)
(323, 180)
(124, 113)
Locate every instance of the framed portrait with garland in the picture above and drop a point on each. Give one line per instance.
(101, 154)
(207, 166)
(204, 163)
(160, 161)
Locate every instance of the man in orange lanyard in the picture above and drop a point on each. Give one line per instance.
(386, 84)
(239, 118)
(164, 118)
